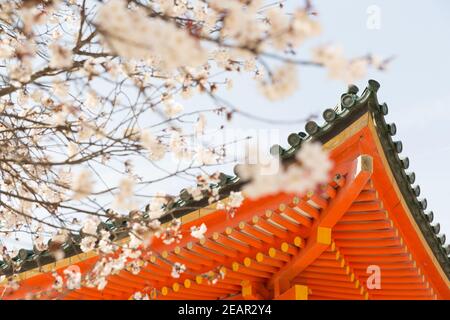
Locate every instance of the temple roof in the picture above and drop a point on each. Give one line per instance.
(351, 107)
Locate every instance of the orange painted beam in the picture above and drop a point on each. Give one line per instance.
(284, 222)
(336, 295)
(398, 279)
(380, 259)
(368, 195)
(363, 226)
(296, 292)
(329, 270)
(254, 242)
(364, 216)
(304, 223)
(195, 287)
(356, 179)
(324, 276)
(320, 238)
(184, 252)
(265, 259)
(245, 271)
(191, 291)
(228, 242)
(279, 255)
(220, 284)
(318, 201)
(270, 227)
(263, 236)
(374, 251)
(328, 190)
(327, 283)
(219, 248)
(387, 266)
(254, 291)
(404, 293)
(375, 234)
(327, 263)
(306, 208)
(173, 257)
(216, 256)
(250, 263)
(397, 297)
(359, 243)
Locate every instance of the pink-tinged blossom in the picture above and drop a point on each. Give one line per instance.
(282, 83)
(90, 226)
(338, 66)
(60, 57)
(156, 207)
(172, 108)
(124, 198)
(73, 278)
(200, 125)
(172, 233)
(58, 282)
(140, 236)
(311, 169)
(205, 156)
(82, 185)
(88, 244)
(235, 199)
(105, 245)
(140, 296)
(39, 243)
(156, 149)
(177, 269)
(131, 34)
(199, 232)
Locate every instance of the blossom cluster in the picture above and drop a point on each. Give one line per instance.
(312, 168)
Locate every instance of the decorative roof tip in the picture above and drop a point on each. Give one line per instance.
(373, 85)
(405, 162)
(277, 150)
(429, 216)
(329, 115)
(392, 129)
(411, 176)
(436, 228)
(416, 190)
(398, 145)
(294, 139)
(447, 249)
(352, 89)
(311, 127)
(384, 109)
(441, 238)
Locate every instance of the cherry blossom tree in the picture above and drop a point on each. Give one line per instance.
(92, 89)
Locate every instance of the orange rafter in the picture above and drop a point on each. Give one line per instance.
(320, 239)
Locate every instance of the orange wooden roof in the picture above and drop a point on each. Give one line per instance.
(314, 246)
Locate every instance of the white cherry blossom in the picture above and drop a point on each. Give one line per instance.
(199, 232)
